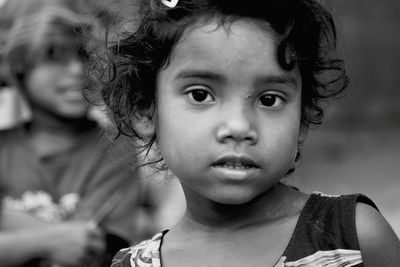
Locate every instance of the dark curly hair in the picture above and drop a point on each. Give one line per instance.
(305, 28)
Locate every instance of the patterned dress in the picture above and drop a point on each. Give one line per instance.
(325, 236)
(74, 185)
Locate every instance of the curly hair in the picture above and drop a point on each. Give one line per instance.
(304, 27)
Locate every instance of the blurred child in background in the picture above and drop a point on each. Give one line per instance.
(61, 183)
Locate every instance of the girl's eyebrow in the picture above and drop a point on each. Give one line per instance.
(201, 74)
(286, 79)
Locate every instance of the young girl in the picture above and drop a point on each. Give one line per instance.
(61, 187)
(227, 91)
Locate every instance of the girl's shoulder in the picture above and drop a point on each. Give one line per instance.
(326, 231)
(332, 217)
(144, 254)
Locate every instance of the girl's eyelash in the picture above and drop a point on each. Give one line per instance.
(199, 95)
(276, 93)
(276, 97)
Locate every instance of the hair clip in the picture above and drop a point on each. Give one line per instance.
(170, 3)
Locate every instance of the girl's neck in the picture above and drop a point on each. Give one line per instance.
(50, 123)
(276, 203)
(49, 134)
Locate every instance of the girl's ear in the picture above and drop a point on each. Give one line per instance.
(144, 123)
(302, 134)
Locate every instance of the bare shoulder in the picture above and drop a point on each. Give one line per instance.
(378, 242)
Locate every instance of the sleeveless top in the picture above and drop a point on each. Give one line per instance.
(325, 236)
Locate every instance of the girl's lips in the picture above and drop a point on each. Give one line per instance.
(236, 162)
(235, 168)
(235, 171)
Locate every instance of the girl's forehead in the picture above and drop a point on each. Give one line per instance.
(52, 24)
(37, 39)
(244, 50)
(197, 34)
(226, 23)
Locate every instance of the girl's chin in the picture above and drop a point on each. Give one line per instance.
(76, 112)
(235, 199)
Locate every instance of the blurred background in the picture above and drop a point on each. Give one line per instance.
(357, 148)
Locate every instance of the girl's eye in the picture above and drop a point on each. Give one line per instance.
(200, 96)
(270, 101)
(55, 53)
(82, 53)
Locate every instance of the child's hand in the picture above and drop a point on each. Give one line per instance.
(16, 220)
(74, 243)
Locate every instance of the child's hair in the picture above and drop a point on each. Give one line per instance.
(44, 35)
(305, 29)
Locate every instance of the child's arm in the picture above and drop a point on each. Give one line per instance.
(24, 238)
(378, 243)
(16, 220)
(68, 244)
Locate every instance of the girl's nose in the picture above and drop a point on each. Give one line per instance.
(75, 66)
(237, 125)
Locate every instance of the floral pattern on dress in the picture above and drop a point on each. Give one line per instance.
(41, 205)
(147, 254)
(328, 258)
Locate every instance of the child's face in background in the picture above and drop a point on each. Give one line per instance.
(228, 116)
(56, 80)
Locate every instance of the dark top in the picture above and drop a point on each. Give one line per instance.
(325, 235)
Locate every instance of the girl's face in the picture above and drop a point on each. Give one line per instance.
(55, 84)
(228, 116)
